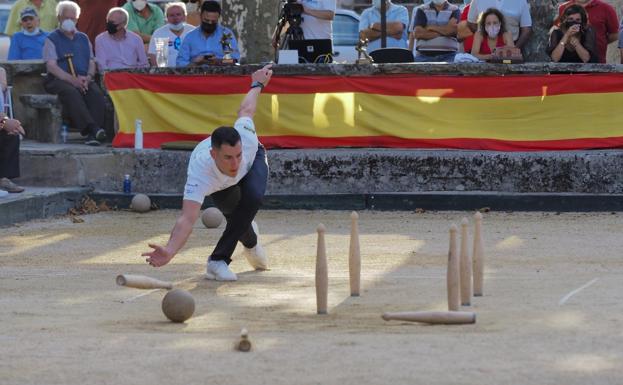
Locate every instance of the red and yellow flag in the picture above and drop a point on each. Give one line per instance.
(508, 113)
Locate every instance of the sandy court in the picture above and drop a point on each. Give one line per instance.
(551, 314)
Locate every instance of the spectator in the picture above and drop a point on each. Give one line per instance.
(28, 43)
(574, 40)
(516, 15)
(118, 47)
(91, 21)
(145, 18)
(435, 31)
(463, 33)
(203, 44)
(175, 30)
(491, 34)
(10, 130)
(193, 12)
(397, 18)
(602, 19)
(45, 9)
(317, 19)
(71, 67)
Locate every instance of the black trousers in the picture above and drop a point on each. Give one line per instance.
(239, 204)
(9, 155)
(86, 111)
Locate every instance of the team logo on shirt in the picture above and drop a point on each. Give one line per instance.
(190, 188)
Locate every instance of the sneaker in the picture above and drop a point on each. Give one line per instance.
(100, 135)
(10, 187)
(91, 141)
(219, 271)
(256, 256)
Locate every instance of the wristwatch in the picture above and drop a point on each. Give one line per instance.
(256, 84)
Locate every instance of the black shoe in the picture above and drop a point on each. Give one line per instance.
(91, 141)
(100, 135)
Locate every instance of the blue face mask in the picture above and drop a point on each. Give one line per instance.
(467, 1)
(33, 33)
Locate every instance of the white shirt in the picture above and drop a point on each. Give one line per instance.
(516, 13)
(204, 178)
(313, 27)
(174, 44)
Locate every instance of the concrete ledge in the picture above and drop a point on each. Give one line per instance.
(338, 171)
(438, 201)
(38, 203)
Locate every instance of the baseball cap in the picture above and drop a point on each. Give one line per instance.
(28, 11)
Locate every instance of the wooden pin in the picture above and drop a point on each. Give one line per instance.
(453, 272)
(466, 266)
(322, 275)
(478, 255)
(244, 345)
(433, 317)
(354, 256)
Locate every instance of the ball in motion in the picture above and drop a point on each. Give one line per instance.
(212, 217)
(140, 203)
(178, 305)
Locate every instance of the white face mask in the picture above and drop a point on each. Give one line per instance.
(492, 30)
(139, 5)
(439, 2)
(191, 7)
(176, 27)
(33, 33)
(68, 25)
(376, 3)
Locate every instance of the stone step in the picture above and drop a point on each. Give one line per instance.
(38, 203)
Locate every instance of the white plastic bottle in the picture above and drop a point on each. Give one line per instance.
(138, 134)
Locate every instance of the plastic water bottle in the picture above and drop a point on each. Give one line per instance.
(138, 134)
(64, 133)
(127, 184)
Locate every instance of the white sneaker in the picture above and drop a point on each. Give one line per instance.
(256, 256)
(219, 271)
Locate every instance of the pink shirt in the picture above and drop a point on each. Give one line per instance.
(128, 52)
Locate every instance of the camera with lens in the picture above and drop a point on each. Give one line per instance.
(292, 11)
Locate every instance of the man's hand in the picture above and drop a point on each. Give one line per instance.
(159, 256)
(14, 127)
(84, 83)
(263, 75)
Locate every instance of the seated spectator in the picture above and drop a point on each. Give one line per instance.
(463, 33)
(203, 44)
(91, 21)
(397, 19)
(490, 35)
(28, 43)
(117, 47)
(435, 31)
(145, 18)
(574, 41)
(10, 130)
(518, 20)
(45, 9)
(71, 66)
(602, 18)
(175, 30)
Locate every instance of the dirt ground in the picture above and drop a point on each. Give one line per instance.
(552, 312)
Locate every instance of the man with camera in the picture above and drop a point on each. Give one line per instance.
(314, 18)
(206, 43)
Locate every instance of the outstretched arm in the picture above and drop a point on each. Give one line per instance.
(160, 255)
(260, 78)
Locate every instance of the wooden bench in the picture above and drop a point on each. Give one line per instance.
(46, 126)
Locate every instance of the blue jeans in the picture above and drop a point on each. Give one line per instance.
(446, 57)
(239, 204)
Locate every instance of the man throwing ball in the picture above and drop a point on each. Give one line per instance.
(231, 167)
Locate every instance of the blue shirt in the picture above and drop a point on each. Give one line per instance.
(394, 13)
(24, 47)
(196, 44)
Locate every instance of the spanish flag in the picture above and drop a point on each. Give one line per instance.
(504, 113)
